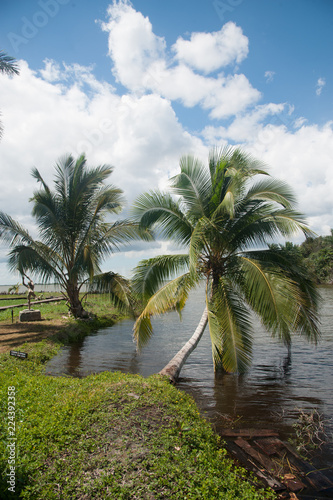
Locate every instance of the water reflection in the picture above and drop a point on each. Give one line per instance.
(75, 358)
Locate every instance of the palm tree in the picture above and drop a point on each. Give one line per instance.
(74, 233)
(223, 215)
(8, 66)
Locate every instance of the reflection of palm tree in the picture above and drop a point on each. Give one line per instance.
(8, 66)
(75, 358)
(219, 214)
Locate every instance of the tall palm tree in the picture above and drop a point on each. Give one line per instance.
(8, 66)
(74, 233)
(223, 215)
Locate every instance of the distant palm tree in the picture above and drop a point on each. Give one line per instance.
(74, 233)
(223, 214)
(8, 66)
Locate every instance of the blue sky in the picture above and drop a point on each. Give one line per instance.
(139, 84)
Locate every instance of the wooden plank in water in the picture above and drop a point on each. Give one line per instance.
(293, 483)
(259, 457)
(316, 478)
(263, 475)
(249, 433)
(269, 445)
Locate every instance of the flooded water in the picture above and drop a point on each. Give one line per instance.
(269, 395)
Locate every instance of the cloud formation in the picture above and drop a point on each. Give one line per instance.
(142, 63)
(208, 52)
(66, 109)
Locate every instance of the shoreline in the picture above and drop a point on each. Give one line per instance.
(112, 435)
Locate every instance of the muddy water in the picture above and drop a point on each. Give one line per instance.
(269, 395)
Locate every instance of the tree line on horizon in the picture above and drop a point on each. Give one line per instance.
(316, 253)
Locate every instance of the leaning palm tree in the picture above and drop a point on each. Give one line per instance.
(74, 233)
(8, 66)
(224, 216)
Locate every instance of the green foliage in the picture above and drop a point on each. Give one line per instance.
(8, 65)
(318, 257)
(110, 435)
(220, 214)
(74, 234)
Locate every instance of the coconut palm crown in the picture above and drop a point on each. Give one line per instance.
(74, 236)
(225, 216)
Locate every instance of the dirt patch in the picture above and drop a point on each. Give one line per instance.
(13, 335)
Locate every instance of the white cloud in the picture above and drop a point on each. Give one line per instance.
(64, 108)
(133, 46)
(208, 52)
(51, 72)
(139, 135)
(245, 127)
(320, 85)
(304, 159)
(141, 63)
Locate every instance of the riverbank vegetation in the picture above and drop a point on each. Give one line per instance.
(111, 436)
(98, 305)
(56, 324)
(317, 255)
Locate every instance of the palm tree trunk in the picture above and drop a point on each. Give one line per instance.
(74, 302)
(173, 368)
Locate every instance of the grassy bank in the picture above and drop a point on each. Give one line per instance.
(110, 436)
(56, 324)
(97, 303)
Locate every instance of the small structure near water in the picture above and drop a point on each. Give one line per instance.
(30, 315)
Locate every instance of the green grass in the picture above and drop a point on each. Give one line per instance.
(98, 304)
(110, 436)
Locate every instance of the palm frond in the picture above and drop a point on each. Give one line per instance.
(272, 190)
(288, 222)
(8, 64)
(272, 295)
(230, 328)
(306, 320)
(171, 296)
(193, 184)
(151, 274)
(117, 287)
(36, 259)
(12, 232)
(156, 209)
(120, 233)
